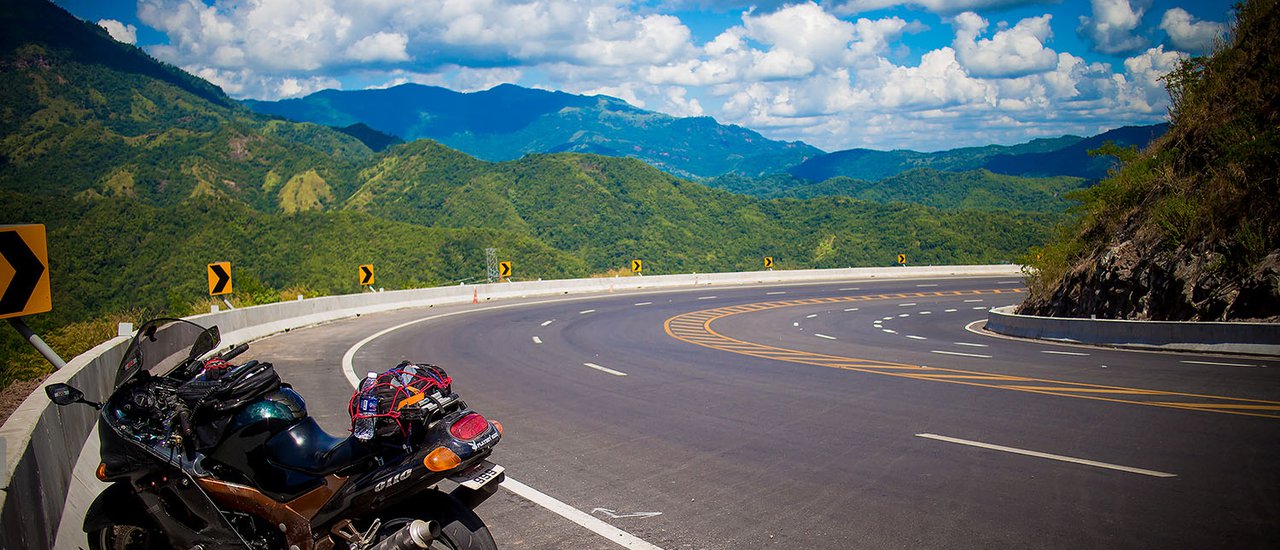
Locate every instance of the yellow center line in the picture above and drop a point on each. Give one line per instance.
(695, 328)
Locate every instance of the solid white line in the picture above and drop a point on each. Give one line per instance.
(1038, 454)
(775, 293)
(852, 309)
(545, 323)
(586, 311)
(971, 345)
(604, 369)
(949, 311)
(914, 337)
(643, 303)
(907, 304)
(811, 316)
(845, 289)
(1215, 364)
(972, 301)
(925, 286)
(824, 336)
(1008, 282)
(706, 297)
(597, 526)
(1063, 352)
(889, 331)
(537, 340)
(960, 354)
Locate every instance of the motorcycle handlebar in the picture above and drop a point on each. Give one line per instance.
(235, 351)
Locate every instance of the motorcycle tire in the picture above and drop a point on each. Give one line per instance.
(125, 537)
(460, 528)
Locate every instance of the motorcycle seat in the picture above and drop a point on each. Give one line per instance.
(305, 447)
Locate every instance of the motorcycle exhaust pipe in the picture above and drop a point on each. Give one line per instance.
(415, 536)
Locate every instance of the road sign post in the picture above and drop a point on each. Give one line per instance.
(24, 274)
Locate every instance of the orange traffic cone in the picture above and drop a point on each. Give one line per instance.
(475, 296)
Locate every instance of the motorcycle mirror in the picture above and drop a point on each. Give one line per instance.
(64, 394)
(207, 340)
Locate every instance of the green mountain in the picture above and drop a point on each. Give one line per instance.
(1045, 157)
(1188, 229)
(508, 122)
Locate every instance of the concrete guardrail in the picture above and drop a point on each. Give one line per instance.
(40, 444)
(1246, 338)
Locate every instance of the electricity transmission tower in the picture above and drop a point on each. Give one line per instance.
(491, 263)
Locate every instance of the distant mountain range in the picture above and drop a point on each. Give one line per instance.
(509, 121)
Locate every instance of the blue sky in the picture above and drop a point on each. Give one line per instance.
(881, 74)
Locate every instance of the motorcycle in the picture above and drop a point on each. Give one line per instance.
(201, 453)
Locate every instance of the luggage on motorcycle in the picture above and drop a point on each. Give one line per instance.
(215, 395)
(408, 395)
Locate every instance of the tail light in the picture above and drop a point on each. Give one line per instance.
(469, 427)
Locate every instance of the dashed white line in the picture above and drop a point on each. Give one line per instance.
(980, 307)
(604, 369)
(908, 304)
(642, 303)
(795, 324)
(595, 525)
(905, 315)
(949, 311)
(1038, 454)
(824, 336)
(889, 318)
(914, 337)
(960, 354)
(847, 289)
(537, 340)
(1008, 282)
(545, 323)
(586, 311)
(1215, 364)
(926, 286)
(926, 313)
(852, 309)
(775, 293)
(810, 316)
(972, 301)
(970, 345)
(706, 297)
(1063, 352)
(890, 331)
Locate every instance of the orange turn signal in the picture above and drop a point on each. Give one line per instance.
(102, 471)
(441, 459)
(497, 425)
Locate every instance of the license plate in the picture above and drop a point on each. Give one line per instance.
(478, 476)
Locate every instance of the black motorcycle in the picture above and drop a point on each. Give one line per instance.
(205, 454)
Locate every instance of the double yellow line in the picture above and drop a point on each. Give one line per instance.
(695, 328)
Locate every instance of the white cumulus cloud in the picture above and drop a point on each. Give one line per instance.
(849, 7)
(380, 46)
(1015, 51)
(120, 31)
(1189, 35)
(1111, 28)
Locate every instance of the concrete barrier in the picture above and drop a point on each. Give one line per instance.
(1246, 338)
(44, 475)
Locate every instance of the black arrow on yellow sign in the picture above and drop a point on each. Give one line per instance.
(768, 261)
(219, 278)
(637, 266)
(902, 258)
(366, 274)
(504, 269)
(28, 290)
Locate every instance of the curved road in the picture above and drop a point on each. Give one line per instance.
(864, 414)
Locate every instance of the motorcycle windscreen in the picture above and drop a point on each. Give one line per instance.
(160, 345)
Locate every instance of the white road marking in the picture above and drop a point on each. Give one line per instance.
(1063, 352)
(970, 345)
(1038, 454)
(949, 311)
(706, 297)
(1008, 282)
(914, 337)
(960, 354)
(795, 324)
(973, 300)
(905, 315)
(887, 318)
(908, 304)
(592, 523)
(824, 336)
(545, 323)
(586, 311)
(852, 309)
(642, 303)
(847, 289)
(926, 313)
(980, 307)
(604, 369)
(925, 286)
(615, 515)
(537, 340)
(1215, 364)
(889, 331)
(811, 316)
(775, 293)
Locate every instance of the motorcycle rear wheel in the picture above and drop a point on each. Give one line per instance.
(125, 537)
(460, 528)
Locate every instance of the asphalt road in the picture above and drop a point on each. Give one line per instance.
(865, 414)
